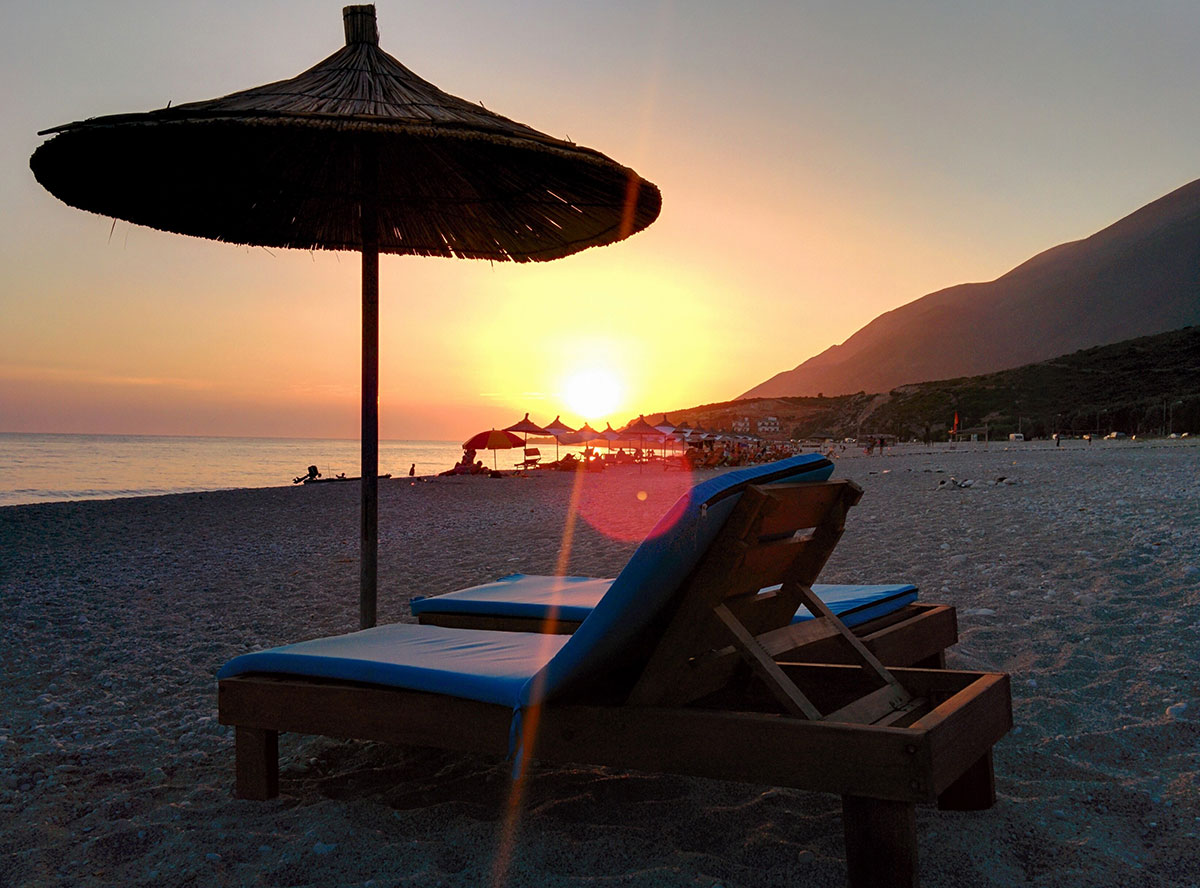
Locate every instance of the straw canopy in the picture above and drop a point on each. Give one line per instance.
(526, 425)
(581, 436)
(639, 428)
(559, 430)
(287, 165)
(558, 427)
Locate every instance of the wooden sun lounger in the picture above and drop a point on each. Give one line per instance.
(716, 692)
(533, 456)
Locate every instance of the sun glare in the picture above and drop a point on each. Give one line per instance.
(593, 392)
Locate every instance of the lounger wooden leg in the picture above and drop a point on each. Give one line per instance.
(975, 790)
(881, 842)
(257, 764)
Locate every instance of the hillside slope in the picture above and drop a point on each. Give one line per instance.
(1138, 277)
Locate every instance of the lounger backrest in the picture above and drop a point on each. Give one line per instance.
(608, 640)
(738, 604)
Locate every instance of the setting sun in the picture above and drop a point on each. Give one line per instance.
(593, 392)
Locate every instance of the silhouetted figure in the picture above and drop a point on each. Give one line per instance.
(313, 475)
(412, 470)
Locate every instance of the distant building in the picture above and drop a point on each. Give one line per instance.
(768, 425)
(741, 424)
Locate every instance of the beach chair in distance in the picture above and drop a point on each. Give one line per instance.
(693, 678)
(533, 456)
(887, 618)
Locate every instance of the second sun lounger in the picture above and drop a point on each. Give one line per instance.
(886, 617)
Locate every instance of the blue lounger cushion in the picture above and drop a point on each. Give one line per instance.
(479, 665)
(572, 598)
(521, 595)
(531, 668)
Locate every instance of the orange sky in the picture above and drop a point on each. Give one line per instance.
(819, 165)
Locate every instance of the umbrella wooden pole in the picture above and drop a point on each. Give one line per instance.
(369, 551)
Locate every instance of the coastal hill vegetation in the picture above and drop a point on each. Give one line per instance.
(1144, 386)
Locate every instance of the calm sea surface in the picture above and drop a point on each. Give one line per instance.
(46, 468)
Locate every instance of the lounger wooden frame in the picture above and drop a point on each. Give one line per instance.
(720, 695)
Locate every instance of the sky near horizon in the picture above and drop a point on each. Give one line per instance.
(820, 163)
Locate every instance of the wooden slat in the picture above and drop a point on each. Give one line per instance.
(916, 634)
(363, 712)
(938, 684)
(756, 612)
(872, 707)
(925, 633)
(905, 715)
(790, 513)
(755, 748)
(767, 669)
(866, 659)
(786, 639)
(765, 564)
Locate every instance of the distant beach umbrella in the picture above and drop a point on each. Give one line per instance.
(526, 426)
(356, 153)
(558, 429)
(639, 426)
(585, 434)
(493, 440)
(667, 427)
(610, 434)
(641, 430)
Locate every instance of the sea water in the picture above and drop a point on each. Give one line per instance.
(47, 468)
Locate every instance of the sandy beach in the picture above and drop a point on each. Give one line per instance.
(1078, 573)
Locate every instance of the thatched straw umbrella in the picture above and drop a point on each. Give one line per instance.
(558, 429)
(356, 153)
(526, 426)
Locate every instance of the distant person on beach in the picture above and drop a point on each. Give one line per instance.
(464, 466)
(313, 475)
(412, 470)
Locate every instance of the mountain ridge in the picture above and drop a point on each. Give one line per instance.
(1136, 277)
